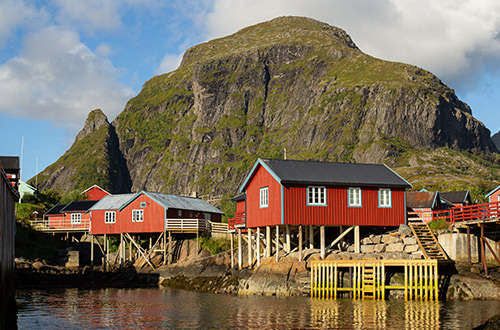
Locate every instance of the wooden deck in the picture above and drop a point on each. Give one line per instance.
(369, 278)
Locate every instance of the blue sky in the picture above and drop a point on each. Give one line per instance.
(61, 59)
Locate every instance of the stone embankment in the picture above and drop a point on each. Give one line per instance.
(289, 277)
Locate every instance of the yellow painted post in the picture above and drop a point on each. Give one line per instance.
(406, 280)
(383, 281)
(313, 270)
(410, 289)
(421, 281)
(436, 283)
(331, 280)
(335, 282)
(426, 281)
(355, 278)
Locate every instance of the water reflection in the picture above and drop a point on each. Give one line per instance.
(174, 309)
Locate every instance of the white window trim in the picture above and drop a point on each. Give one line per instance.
(381, 198)
(76, 218)
(264, 197)
(110, 217)
(137, 218)
(355, 203)
(318, 195)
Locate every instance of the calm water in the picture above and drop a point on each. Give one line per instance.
(175, 309)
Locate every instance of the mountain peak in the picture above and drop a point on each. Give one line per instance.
(95, 120)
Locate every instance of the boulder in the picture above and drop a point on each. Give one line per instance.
(368, 248)
(389, 239)
(404, 229)
(379, 248)
(395, 247)
(409, 241)
(376, 239)
(411, 248)
(366, 241)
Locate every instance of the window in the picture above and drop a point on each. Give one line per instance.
(110, 217)
(354, 196)
(179, 213)
(76, 218)
(207, 216)
(264, 197)
(316, 195)
(137, 215)
(143, 204)
(384, 198)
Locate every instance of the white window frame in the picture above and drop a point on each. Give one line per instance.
(207, 216)
(76, 218)
(354, 197)
(316, 195)
(264, 197)
(143, 204)
(110, 217)
(137, 215)
(385, 197)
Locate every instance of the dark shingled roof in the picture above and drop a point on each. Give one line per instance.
(238, 198)
(455, 197)
(314, 172)
(56, 209)
(78, 206)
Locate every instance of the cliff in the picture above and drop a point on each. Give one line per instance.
(290, 83)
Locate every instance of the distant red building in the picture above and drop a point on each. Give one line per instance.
(95, 193)
(149, 212)
(290, 192)
(69, 216)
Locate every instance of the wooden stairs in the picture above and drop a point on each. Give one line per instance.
(368, 283)
(428, 242)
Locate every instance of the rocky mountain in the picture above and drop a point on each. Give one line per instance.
(290, 83)
(496, 139)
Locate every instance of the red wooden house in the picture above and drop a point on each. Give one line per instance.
(290, 192)
(494, 195)
(456, 198)
(95, 193)
(421, 204)
(72, 216)
(149, 212)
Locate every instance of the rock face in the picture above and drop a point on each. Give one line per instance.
(291, 83)
(94, 158)
(496, 140)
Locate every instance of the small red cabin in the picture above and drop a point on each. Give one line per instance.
(149, 212)
(494, 195)
(292, 192)
(95, 193)
(70, 216)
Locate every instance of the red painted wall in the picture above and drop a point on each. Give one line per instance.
(95, 194)
(338, 213)
(63, 221)
(240, 206)
(268, 216)
(495, 197)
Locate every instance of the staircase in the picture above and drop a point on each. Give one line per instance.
(428, 242)
(368, 281)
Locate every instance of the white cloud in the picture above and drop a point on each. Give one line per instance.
(169, 63)
(15, 14)
(457, 40)
(58, 78)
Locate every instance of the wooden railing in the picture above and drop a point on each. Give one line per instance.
(474, 212)
(60, 225)
(218, 227)
(239, 220)
(187, 225)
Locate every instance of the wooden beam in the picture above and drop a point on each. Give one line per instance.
(140, 250)
(232, 249)
(277, 242)
(240, 258)
(300, 243)
(322, 241)
(469, 258)
(249, 244)
(287, 239)
(257, 250)
(357, 243)
(311, 237)
(268, 242)
(335, 241)
(170, 248)
(92, 250)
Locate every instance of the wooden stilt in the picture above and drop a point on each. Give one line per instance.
(105, 252)
(121, 251)
(322, 241)
(92, 250)
(268, 242)
(170, 248)
(249, 244)
(164, 247)
(130, 252)
(311, 237)
(277, 243)
(232, 249)
(357, 245)
(240, 257)
(483, 252)
(257, 249)
(469, 258)
(287, 244)
(300, 243)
